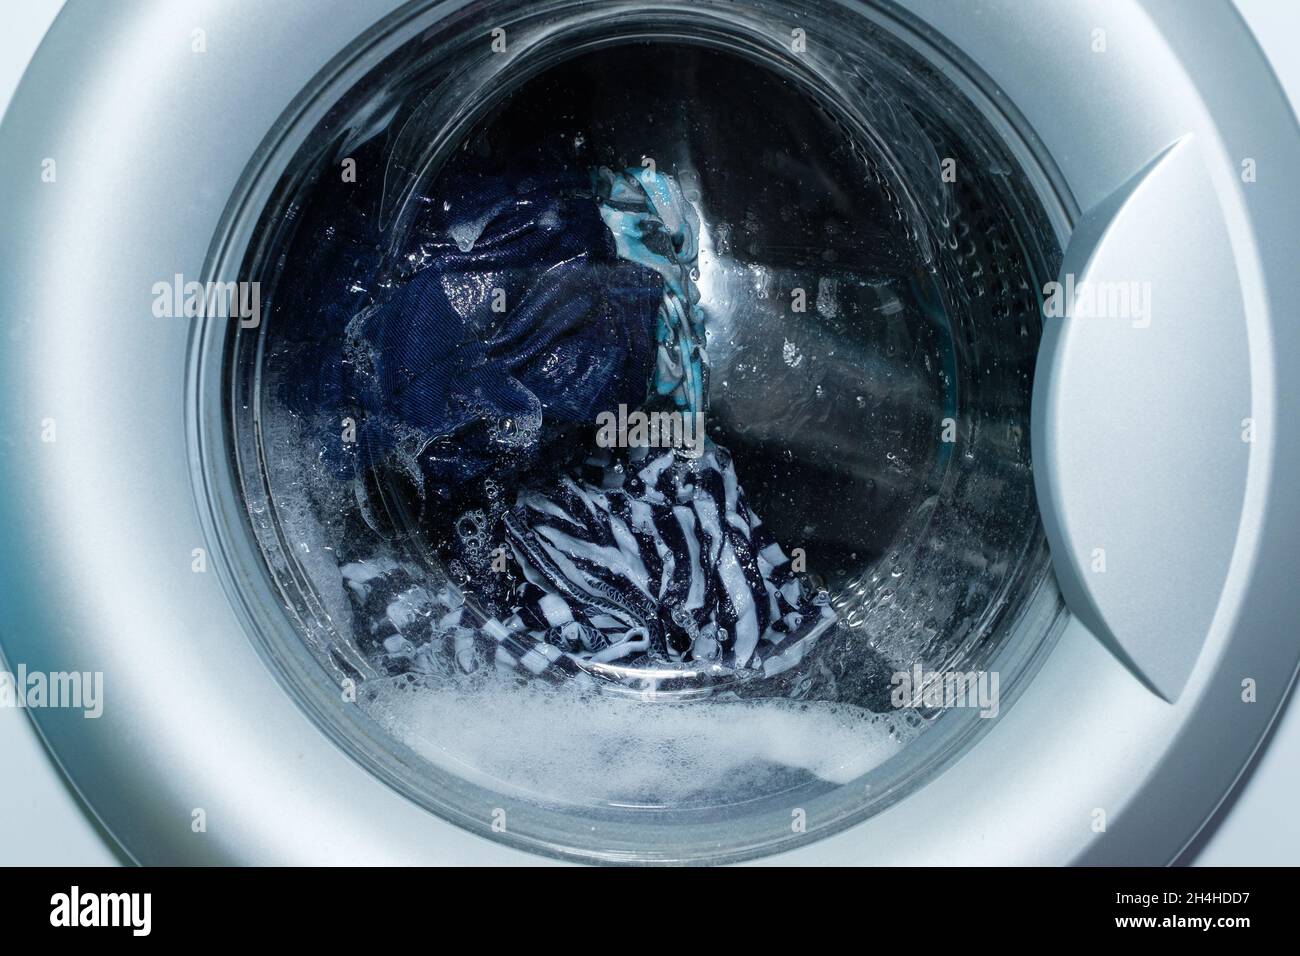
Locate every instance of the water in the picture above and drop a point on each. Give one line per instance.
(560, 747)
(858, 311)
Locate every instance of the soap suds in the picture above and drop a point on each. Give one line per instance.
(561, 746)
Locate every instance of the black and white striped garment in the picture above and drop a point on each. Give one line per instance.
(657, 558)
(645, 567)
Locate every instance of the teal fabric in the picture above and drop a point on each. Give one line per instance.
(655, 226)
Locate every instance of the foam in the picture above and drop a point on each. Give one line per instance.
(560, 745)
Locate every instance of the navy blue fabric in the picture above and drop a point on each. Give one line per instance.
(476, 389)
(338, 251)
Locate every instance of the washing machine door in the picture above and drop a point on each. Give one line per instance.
(1158, 443)
(1159, 143)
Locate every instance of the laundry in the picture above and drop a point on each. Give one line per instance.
(667, 564)
(665, 567)
(637, 564)
(654, 225)
(510, 329)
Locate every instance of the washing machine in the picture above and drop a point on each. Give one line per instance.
(998, 298)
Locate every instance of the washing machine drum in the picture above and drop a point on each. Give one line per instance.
(651, 432)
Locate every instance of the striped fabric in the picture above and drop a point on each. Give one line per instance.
(648, 568)
(665, 565)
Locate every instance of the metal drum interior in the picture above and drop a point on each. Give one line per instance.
(871, 255)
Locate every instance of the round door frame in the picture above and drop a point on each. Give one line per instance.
(151, 138)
